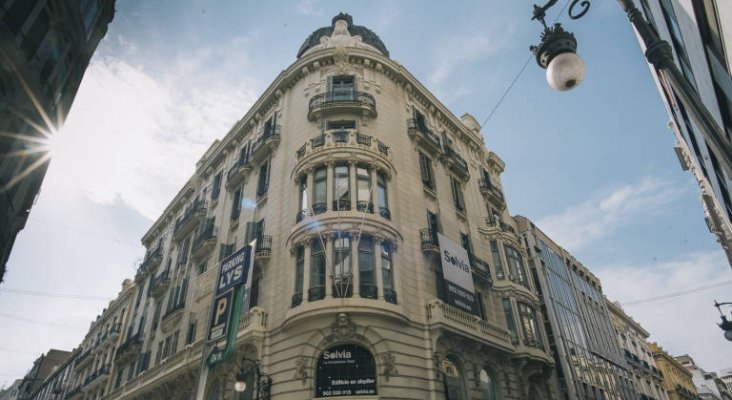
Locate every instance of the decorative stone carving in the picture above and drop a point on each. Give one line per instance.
(301, 368)
(342, 328)
(389, 365)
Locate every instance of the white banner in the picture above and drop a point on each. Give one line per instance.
(455, 263)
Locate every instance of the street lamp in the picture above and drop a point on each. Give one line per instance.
(559, 47)
(726, 324)
(263, 381)
(557, 51)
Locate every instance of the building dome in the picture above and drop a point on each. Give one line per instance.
(367, 35)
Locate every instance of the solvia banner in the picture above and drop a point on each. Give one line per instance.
(458, 277)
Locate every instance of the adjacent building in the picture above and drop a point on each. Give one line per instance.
(42, 368)
(582, 339)
(55, 386)
(701, 43)
(708, 385)
(45, 47)
(93, 366)
(11, 393)
(677, 380)
(633, 340)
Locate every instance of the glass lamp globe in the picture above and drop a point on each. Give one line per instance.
(565, 71)
(240, 386)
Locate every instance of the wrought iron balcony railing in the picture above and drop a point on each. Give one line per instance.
(428, 239)
(492, 193)
(341, 101)
(316, 293)
(420, 132)
(456, 162)
(190, 218)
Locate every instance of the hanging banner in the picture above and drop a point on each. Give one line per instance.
(223, 304)
(234, 270)
(345, 370)
(458, 276)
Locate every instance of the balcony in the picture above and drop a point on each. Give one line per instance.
(456, 163)
(253, 321)
(263, 250)
(492, 194)
(160, 283)
(265, 144)
(190, 219)
(316, 293)
(365, 206)
(385, 213)
(84, 358)
(390, 296)
(97, 377)
(481, 269)
(296, 299)
(428, 238)
(423, 135)
(129, 348)
(441, 315)
(205, 240)
(341, 205)
(339, 102)
(73, 393)
(152, 260)
(238, 172)
(496, 223)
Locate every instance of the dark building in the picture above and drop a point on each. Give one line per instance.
(45, 47)
(42, 368)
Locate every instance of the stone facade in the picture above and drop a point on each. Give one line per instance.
(345, 170)
(677, 381)
(647, 378)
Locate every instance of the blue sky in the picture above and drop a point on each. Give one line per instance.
(594, 167)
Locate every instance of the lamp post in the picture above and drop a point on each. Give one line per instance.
(557, 54)
(263, 381)
(726, 324)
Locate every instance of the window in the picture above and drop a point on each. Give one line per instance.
(342, 87)
(320, 187)
(270, 126)
(420, 121)
(382, 196)
(236, 205)
(304, 193)
(465, 242)
(457, 194)
(487, 386)
(528, 325)
(36, 33)
(216, 187)
(299, 276)
(366, 268)
(425, 167)
(201, 268)
(341, 188)
(677, 40)
(515, 265)
(317, 271)
(387, 272)
(433, 224)
(263, 183)
(510, 322)
(18, 14)
(497, 260)
(454, 383)
(191, 335)
(363, 189)
(340, 125)
(342, 266)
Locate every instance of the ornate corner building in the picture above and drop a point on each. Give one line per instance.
(45, 47)
(353, 178)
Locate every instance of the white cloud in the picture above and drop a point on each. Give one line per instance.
(602, 215)
(456, 51)
(683, 324)
(306, 7)
(134, 134)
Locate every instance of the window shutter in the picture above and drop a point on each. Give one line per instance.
(250, 232)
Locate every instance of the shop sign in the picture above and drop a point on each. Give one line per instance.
(458, 276)
(345, 370)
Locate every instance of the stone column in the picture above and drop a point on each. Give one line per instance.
(356, 280)
(353, 191)
(377, 266)
(310, 190)
(329, 257)
(329, 188)
(374, 193)
(306, 270)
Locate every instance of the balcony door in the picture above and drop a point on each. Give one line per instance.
(342, 87)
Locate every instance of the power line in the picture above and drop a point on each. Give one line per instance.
(33, 321)
(518, 75)
(56, 295)
(676, 294)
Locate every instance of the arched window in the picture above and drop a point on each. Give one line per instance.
(488, 389)
(454, 381)
(345, 370)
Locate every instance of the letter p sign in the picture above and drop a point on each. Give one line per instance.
(220, 316)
